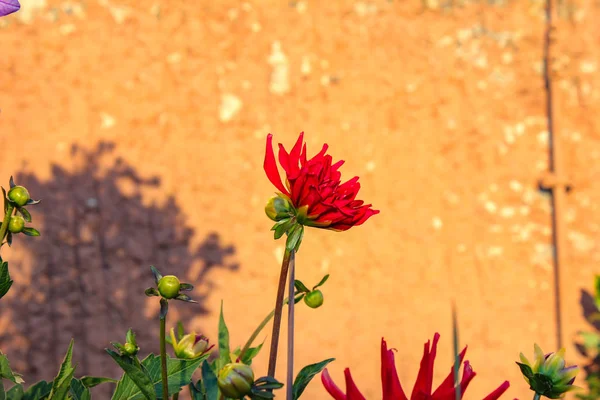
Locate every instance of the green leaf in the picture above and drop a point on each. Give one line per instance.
(9, 237)
(301, 286)
(79, 391)
(305, 376)
(526, 370)
(11, 182)
(31, 232)
(2, 392)
(38, 391)
(32, 202)
(62, 382)
(157, 275)
(5, 281)
(92, 381)
(457, 388)
(224, 357)
(26, 215)
(322, 282)
(251, 353)
(282, 227)
(5, 200)
(138, 377)
(179, 373)
(6, 372)
(209, 382)
(15, 393)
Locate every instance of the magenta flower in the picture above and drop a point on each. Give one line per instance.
(9, 7)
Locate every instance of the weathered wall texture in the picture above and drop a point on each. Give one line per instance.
(439, 109)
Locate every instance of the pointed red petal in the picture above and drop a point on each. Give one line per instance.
(392, 390)
(425, 376)
(448, 383)
(498, 392)
(351, 390)
(270, 166)
(331, 387)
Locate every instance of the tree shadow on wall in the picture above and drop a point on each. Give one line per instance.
(90, 267)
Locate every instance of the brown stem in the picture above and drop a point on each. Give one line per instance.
(278, 310)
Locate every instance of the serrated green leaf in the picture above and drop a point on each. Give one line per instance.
(26, 215)
(2, 391)
(6, 372)
(92, 381)
(305, 376)
(321, 282)
(5, 281)
(224, 357)
(62, 382)
(138, 377)
(38, 391)
(179, 373)
(79, 391)
(15, 393)
(31, 231)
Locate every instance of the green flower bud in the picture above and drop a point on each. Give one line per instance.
(548, 376)
(235, 380)
(314, 299)
(279, 208)
(190, 346)
(130, 349)
(18, 195)
(16, 224)
(169, 286)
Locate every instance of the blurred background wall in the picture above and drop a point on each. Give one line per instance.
(142, 127)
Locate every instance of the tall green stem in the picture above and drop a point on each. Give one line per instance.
(5, 221)
(261, 326)
(537, 396)
(176, 396)
(278, 309)
(290, 353)
(163, 358)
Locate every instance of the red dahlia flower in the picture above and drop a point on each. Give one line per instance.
(314, 188)
(392, 390)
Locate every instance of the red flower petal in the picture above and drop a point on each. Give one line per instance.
(392, 390)
(270, 166)
(331, 387)
(448, 383)
(425, 375)
(498, 392)
(351, 390)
